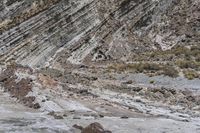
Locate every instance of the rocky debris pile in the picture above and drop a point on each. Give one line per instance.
(56, 116)
(68, 76)
(81, 82)
(169, 96)
(18, 87)
(92, 128)
(173, 97)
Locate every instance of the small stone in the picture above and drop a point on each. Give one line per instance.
(138, 100)
(124, 117)
(64, 115)
(71, 94)
(36, 106)
(76, 117)
(43, 100)
(86, 115)
(185, 120)
(129, 82)
(78, 127)
(130, 108)
(83, 91)
(95, 128)
(101, 116)
(51, 113)
(72, 111)
(58, 117)
(136, 89)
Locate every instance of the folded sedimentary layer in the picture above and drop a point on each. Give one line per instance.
(32, 31)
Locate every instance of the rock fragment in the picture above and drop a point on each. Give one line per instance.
(95, 128)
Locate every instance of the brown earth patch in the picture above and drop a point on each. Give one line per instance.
(47, 81)
(18, 88)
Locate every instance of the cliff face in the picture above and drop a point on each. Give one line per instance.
(32, 31)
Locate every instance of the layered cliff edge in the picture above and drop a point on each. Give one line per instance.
(32, 31)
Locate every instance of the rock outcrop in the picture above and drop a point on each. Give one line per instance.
(92, 128)
(18, 85)
(32, 31)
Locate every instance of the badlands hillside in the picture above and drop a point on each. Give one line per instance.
(99, 66)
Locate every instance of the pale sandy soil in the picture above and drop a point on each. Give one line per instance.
(17, 118)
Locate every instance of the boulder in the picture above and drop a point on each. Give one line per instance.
(92, 128)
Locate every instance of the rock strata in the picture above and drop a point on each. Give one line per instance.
(91, 30)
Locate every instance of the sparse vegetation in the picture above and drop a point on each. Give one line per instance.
(188, 64)
(179, 57)
(176, 53)
(145, 68)
(51, 72)
(170, 71)
(151, 81)
(191, 74)
(197, 58)
(137, 67)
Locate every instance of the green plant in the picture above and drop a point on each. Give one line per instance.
(145, 68)
(151, 81)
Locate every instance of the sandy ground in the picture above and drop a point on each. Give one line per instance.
(165, 81)
(17, 118)
(119, 112)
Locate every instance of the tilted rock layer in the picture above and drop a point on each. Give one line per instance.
(32, 31)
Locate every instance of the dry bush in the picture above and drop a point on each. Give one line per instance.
(191, 74)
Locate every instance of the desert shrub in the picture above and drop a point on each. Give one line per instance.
(193, 48)
(180, 50)
(142, 67)
(151, 81)
(145, 68)
(194, 52)
(197, 58)
(117, 67)
(191, 74)
(139, 67)
(187, 64)
(148, 66)
(51, 72)
(170, 71)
